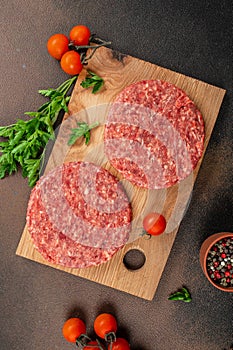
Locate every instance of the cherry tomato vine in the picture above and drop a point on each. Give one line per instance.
(105, 327)
(72, 51)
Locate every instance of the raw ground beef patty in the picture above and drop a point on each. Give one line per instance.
(78, 215)
(154, 134)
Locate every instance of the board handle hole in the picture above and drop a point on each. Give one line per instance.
(134, 259)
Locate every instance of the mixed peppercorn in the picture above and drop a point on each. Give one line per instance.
(220, 262)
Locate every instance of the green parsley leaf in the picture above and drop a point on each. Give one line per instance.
(182, 294)
(26, 140)
(92, 80)
(84, 130)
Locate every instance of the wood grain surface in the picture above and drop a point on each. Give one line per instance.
(118, 71)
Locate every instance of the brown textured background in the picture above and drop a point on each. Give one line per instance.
(191, 38)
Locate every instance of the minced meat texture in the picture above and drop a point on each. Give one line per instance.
(154, 134)
(58, 220)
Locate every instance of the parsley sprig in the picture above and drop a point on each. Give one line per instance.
(182, 294)
(26, 139)
(84, 130)
(92, 80)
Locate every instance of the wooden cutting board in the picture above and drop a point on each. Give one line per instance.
(118, 71)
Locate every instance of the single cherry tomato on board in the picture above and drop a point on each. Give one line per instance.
(154, 224)
(57, 45)
(71, 63)
(105, 326)
(119, 344)
(80, 35)
(73, 328)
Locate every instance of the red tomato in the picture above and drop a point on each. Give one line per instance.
(71, 63)
(80, 35)
(154, 224)
(105, 324)
(57, 45)
(92, 343)
(119, 344)
(73, 328)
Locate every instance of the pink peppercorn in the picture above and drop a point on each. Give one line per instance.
(217, 274)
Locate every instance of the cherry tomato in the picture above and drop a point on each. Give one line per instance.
(57, 45)
(71, 63)
(154, 224)
(119, 344)
(80, 35)
(73, 328)
(105, 324)
(91, 346)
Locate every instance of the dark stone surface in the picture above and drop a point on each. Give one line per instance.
(193, 38)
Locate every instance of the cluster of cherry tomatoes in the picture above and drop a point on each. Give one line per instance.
(105, 327)
(60, 47)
